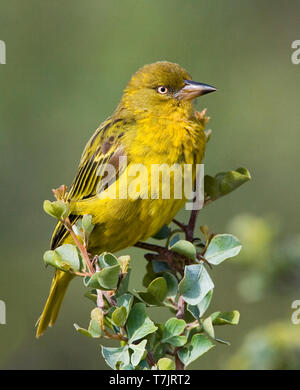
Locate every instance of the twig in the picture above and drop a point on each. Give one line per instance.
(191, 225)
(118, 336)
(201, 258)
(164, 255)
(150, 359)
(180, 224)
(80, 246)
(181, 307)
(109, 299)
(178, 362)
(100, 300)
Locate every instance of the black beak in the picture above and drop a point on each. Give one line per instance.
(193, 89)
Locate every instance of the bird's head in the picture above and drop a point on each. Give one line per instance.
(161, 89)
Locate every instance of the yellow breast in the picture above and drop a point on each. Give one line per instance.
(122, 222)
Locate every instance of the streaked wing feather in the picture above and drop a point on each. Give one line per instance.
(97, 154)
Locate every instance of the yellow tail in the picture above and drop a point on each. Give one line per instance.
(58, 289)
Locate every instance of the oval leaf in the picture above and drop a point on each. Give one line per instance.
(119, 316)
(69, 255)
(108, 277)
(199, 345)
(184, 248)
(166, 364)
(222, 247)
(195, 284)
(139, 324)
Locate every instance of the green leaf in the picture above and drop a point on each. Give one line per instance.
(82, 330)
(119, 316)
(208, 327)
(184, 248)
(87, 224)
(64, 257)
(232, 180)
(108, 277)
(195, 284)
(225, 318)
(95, 329)
(77, 229)
(159, 266)
(107, 260)
(198, 310)
(158, 289)
(172, 330)
(222, 247)
(92, 282)
(178, 341)
(149, 275)
(163, 233)
(174, 239)
(126, 301)
(69, 254)
(210, 187)
(173, 327)
(156, 292)
(91, 295)
(172, 284)
(166, 364)
(52, 258)
(123, 286)
(225, 182)
(221, 341)
(139, 324)
(199, 345)
(138, 352)
(127, 367)
(96, 323)
(58, 209)
(116, 357)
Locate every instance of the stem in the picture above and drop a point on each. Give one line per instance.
(150, 247)
(100, 300)
(180, 224)
(192, 325)
(118, 336)
(191, 225)
(178, 362)
(150, 359)
(164, 255)
(109, 299)
(181, 307)
(80, 246)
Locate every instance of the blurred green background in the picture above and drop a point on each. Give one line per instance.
(67, 64)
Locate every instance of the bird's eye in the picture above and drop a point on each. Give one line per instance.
(162, 90)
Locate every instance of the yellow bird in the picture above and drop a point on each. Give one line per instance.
(154, 123)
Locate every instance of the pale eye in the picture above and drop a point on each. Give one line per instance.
(162, 90)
